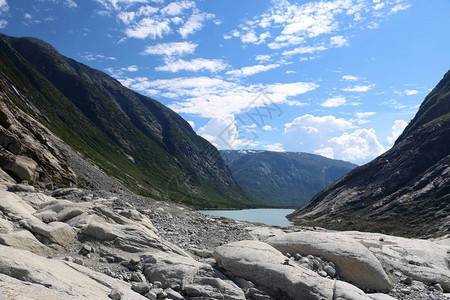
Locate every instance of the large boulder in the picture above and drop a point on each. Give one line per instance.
(422, 260)
(354, 261)
(264, 265)
(23, 239)
(24, 168)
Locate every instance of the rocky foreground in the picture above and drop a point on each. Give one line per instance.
(79, 244)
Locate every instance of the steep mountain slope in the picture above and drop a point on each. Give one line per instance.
(284, 178)
(405, 191)
(132, 137)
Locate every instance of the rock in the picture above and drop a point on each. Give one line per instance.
(173, 294)
(263, 265)
(85, 250)
(170, 268)
(438, 287)
(141, 287)
(24, 168)
(214, 288)
(78, 261)
(353, 260)
(396, 252)
(137, 277)
(5, 226)
(21, 188)
(330, 270)
(323, 273)
(24, 275)
(130, 238)
(115, 294)
(346, 291)
(24, 240)
(152, 295)
(66, 192)
(56, 232)
(201, 252)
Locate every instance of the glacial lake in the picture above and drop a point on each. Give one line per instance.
(268, 216)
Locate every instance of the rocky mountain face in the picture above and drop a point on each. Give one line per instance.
(284, 178)
(405, 191)
(137, 140)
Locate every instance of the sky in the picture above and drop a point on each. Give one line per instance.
(338, 78)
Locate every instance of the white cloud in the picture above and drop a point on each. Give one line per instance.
(195, 65)
(27, 16)
(359, 88)
(262, 57)
(251, 70)
(277, 147)
(4, 7)
(308, 132)
(214, 97)
(132, 68)
(399, 7)
(70, 3)
(334, 102)
(305, 49)
(192, 123)
(222, 132)
(362, 115)
(91, 56)
(267, 128)
(176, 8)
(148, 27)
(290, 72)
(357, 147)
(411, 92)
(350, 78)
(338, 41)
(3, 23)
(328, 136)
(171, 49)
(194, 23)
(397, 129)
(155, 21)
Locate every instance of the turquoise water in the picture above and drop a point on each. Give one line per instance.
(262, 215)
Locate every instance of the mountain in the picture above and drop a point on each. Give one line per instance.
(405, 191)
(139, 141)
(284, 178)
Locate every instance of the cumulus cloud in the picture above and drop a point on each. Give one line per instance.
(262, 57)
(329, 136)
(304, 50)
(91, 56)
(399, 7)
(194, 65)
(357, 147)
(223, 133)
(397, 129)
(251, 70)
(194, 23)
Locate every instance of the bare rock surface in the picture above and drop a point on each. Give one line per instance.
(353, 260)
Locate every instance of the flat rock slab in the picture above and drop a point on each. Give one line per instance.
(24, 275)
(354, 261)
(422, 260)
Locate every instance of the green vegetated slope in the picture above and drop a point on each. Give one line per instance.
(284, 178)
(134, 138)
(405, 191)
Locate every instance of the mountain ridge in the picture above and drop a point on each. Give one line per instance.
(283, 178)
(138, 140)
(405, 191)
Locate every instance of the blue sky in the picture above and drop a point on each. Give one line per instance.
(340, 78)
